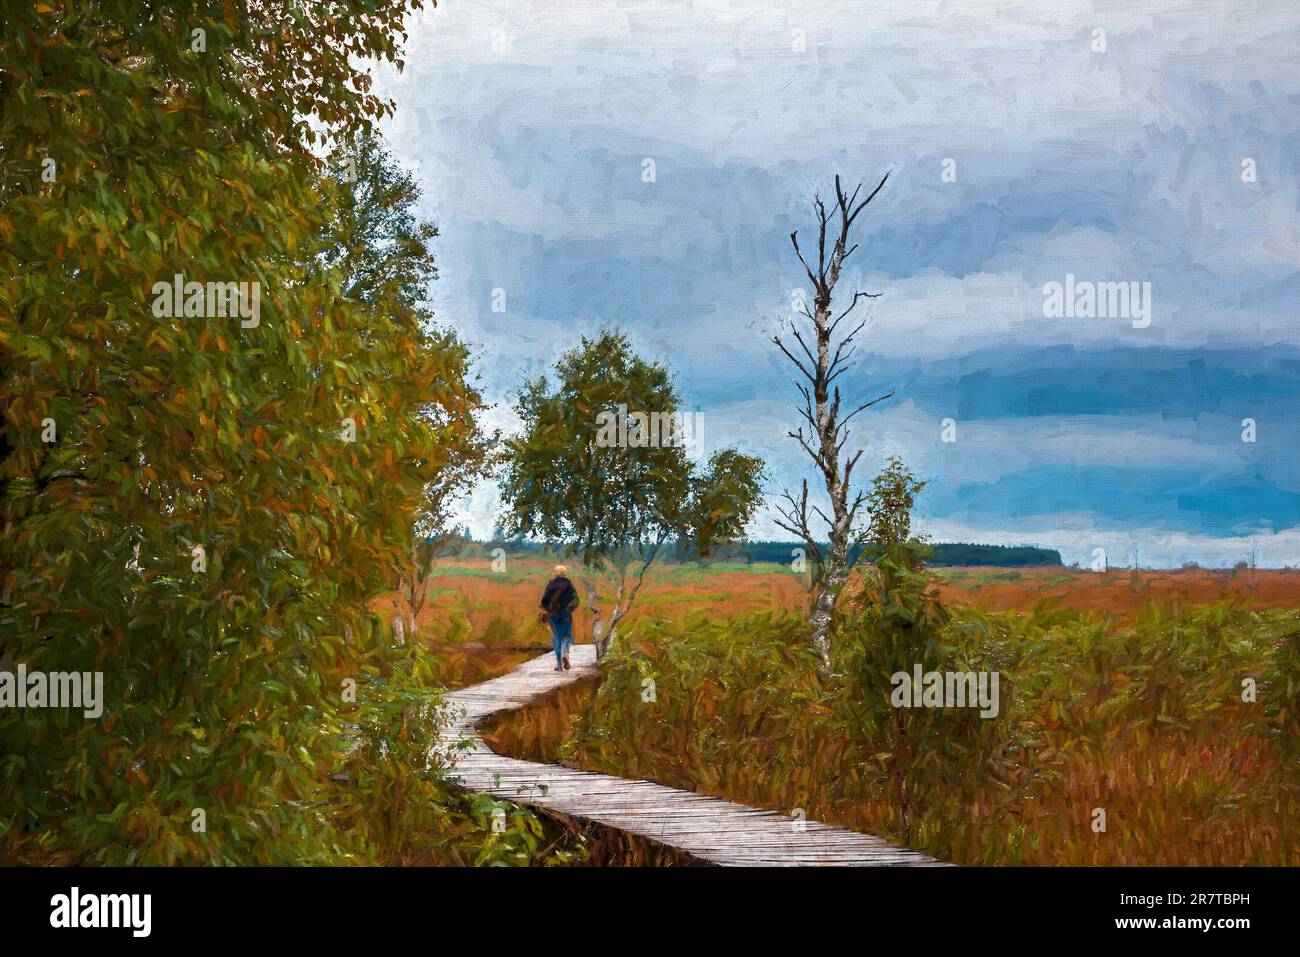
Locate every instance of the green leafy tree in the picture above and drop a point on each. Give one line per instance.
(599, 471)
(202, 503)
(382, 251)
(889, 505)
(897, 626)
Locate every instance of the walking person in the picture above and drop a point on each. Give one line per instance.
(558, 604)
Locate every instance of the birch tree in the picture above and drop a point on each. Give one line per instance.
(599, 472)
(822, 352)
(382, 250)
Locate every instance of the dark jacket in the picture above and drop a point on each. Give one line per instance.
(560, 599)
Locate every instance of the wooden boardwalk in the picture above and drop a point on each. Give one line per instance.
(708, 829)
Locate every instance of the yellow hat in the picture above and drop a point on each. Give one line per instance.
(559, 570)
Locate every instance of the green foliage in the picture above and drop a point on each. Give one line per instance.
(499, 631)
(709, 703)
(379, 248)
(390, 802)
(919, 757)
(388, 254)
(600, 500)
(458, 630)
(889, 505)
(725, 498)
(223, 676)
(575, 478)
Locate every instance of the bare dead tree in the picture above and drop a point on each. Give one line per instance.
(827, 353)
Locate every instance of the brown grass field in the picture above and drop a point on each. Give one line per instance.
(1216, 795)
(483, 623)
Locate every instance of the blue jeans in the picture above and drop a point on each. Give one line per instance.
(561, 636)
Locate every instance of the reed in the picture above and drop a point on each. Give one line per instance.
(1142, 721)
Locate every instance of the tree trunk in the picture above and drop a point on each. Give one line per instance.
(603, 646)
(821, 362)
(602, 638)
(597, 622)
(623, 599)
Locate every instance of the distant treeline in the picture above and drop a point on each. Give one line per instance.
(943, 554)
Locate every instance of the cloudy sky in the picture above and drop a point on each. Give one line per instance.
(1149, 142)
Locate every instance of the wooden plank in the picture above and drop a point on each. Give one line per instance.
(710, 829)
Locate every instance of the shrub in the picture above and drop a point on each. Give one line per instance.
(499, 631)
(1145, 722)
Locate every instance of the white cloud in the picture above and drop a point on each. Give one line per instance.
(526, 124)
(1076, 537)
